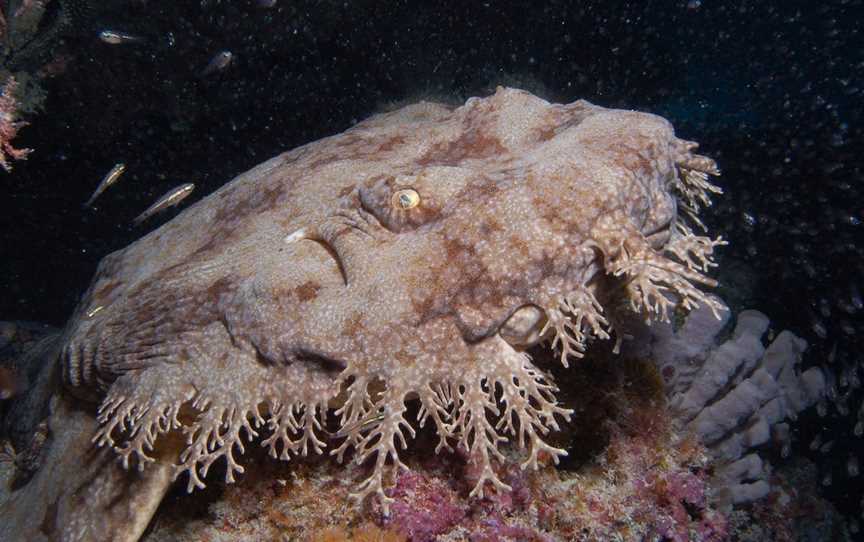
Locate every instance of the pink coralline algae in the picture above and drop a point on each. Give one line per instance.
(658, 493)
(424, 507)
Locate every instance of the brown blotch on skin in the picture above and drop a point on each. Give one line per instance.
(457, 251)
(470, 145)
(351, 140)
(261, 201)
(222, 286)
(213, 244)
(546, 211)
(428, 307)
(472, 290)
(222, 361)
(350, 146)
(391, 144)
(490, 227)
(546, 133)
(546, 264)
(105, 289)
(519, 245)
(353, 325)
(307, 291)
(404, 358)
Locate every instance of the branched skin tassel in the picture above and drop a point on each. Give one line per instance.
(414, 257)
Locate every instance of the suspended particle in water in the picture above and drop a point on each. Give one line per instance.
(824, 308)
(852, 468)
(748, 221)
(822, 408)
(843, 381)
(855, 297)
(815, 443)
(831, 389)
(819, 329)
(842, 407)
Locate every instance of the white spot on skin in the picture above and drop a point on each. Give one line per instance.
(296, 236)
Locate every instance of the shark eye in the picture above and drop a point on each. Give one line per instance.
(405, 199)
(397, 205)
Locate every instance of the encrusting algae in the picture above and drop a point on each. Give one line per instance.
(415, 256)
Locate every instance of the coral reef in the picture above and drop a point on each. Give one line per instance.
(9, 125)
(644, 482)
(30, 36)
(793, 511)
(364, 533)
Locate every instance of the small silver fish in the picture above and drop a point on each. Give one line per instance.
(109, 179)
(220, 61)
(855, 297)
(171, 198)
(114, 37)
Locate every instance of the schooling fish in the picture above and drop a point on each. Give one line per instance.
(113, 37)
(220, 61)
(171, 198)
(109, 179)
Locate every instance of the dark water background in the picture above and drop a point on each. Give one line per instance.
(772, 90)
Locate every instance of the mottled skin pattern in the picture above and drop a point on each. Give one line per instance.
(413, 256)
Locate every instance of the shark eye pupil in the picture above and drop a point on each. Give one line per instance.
(405, 199)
